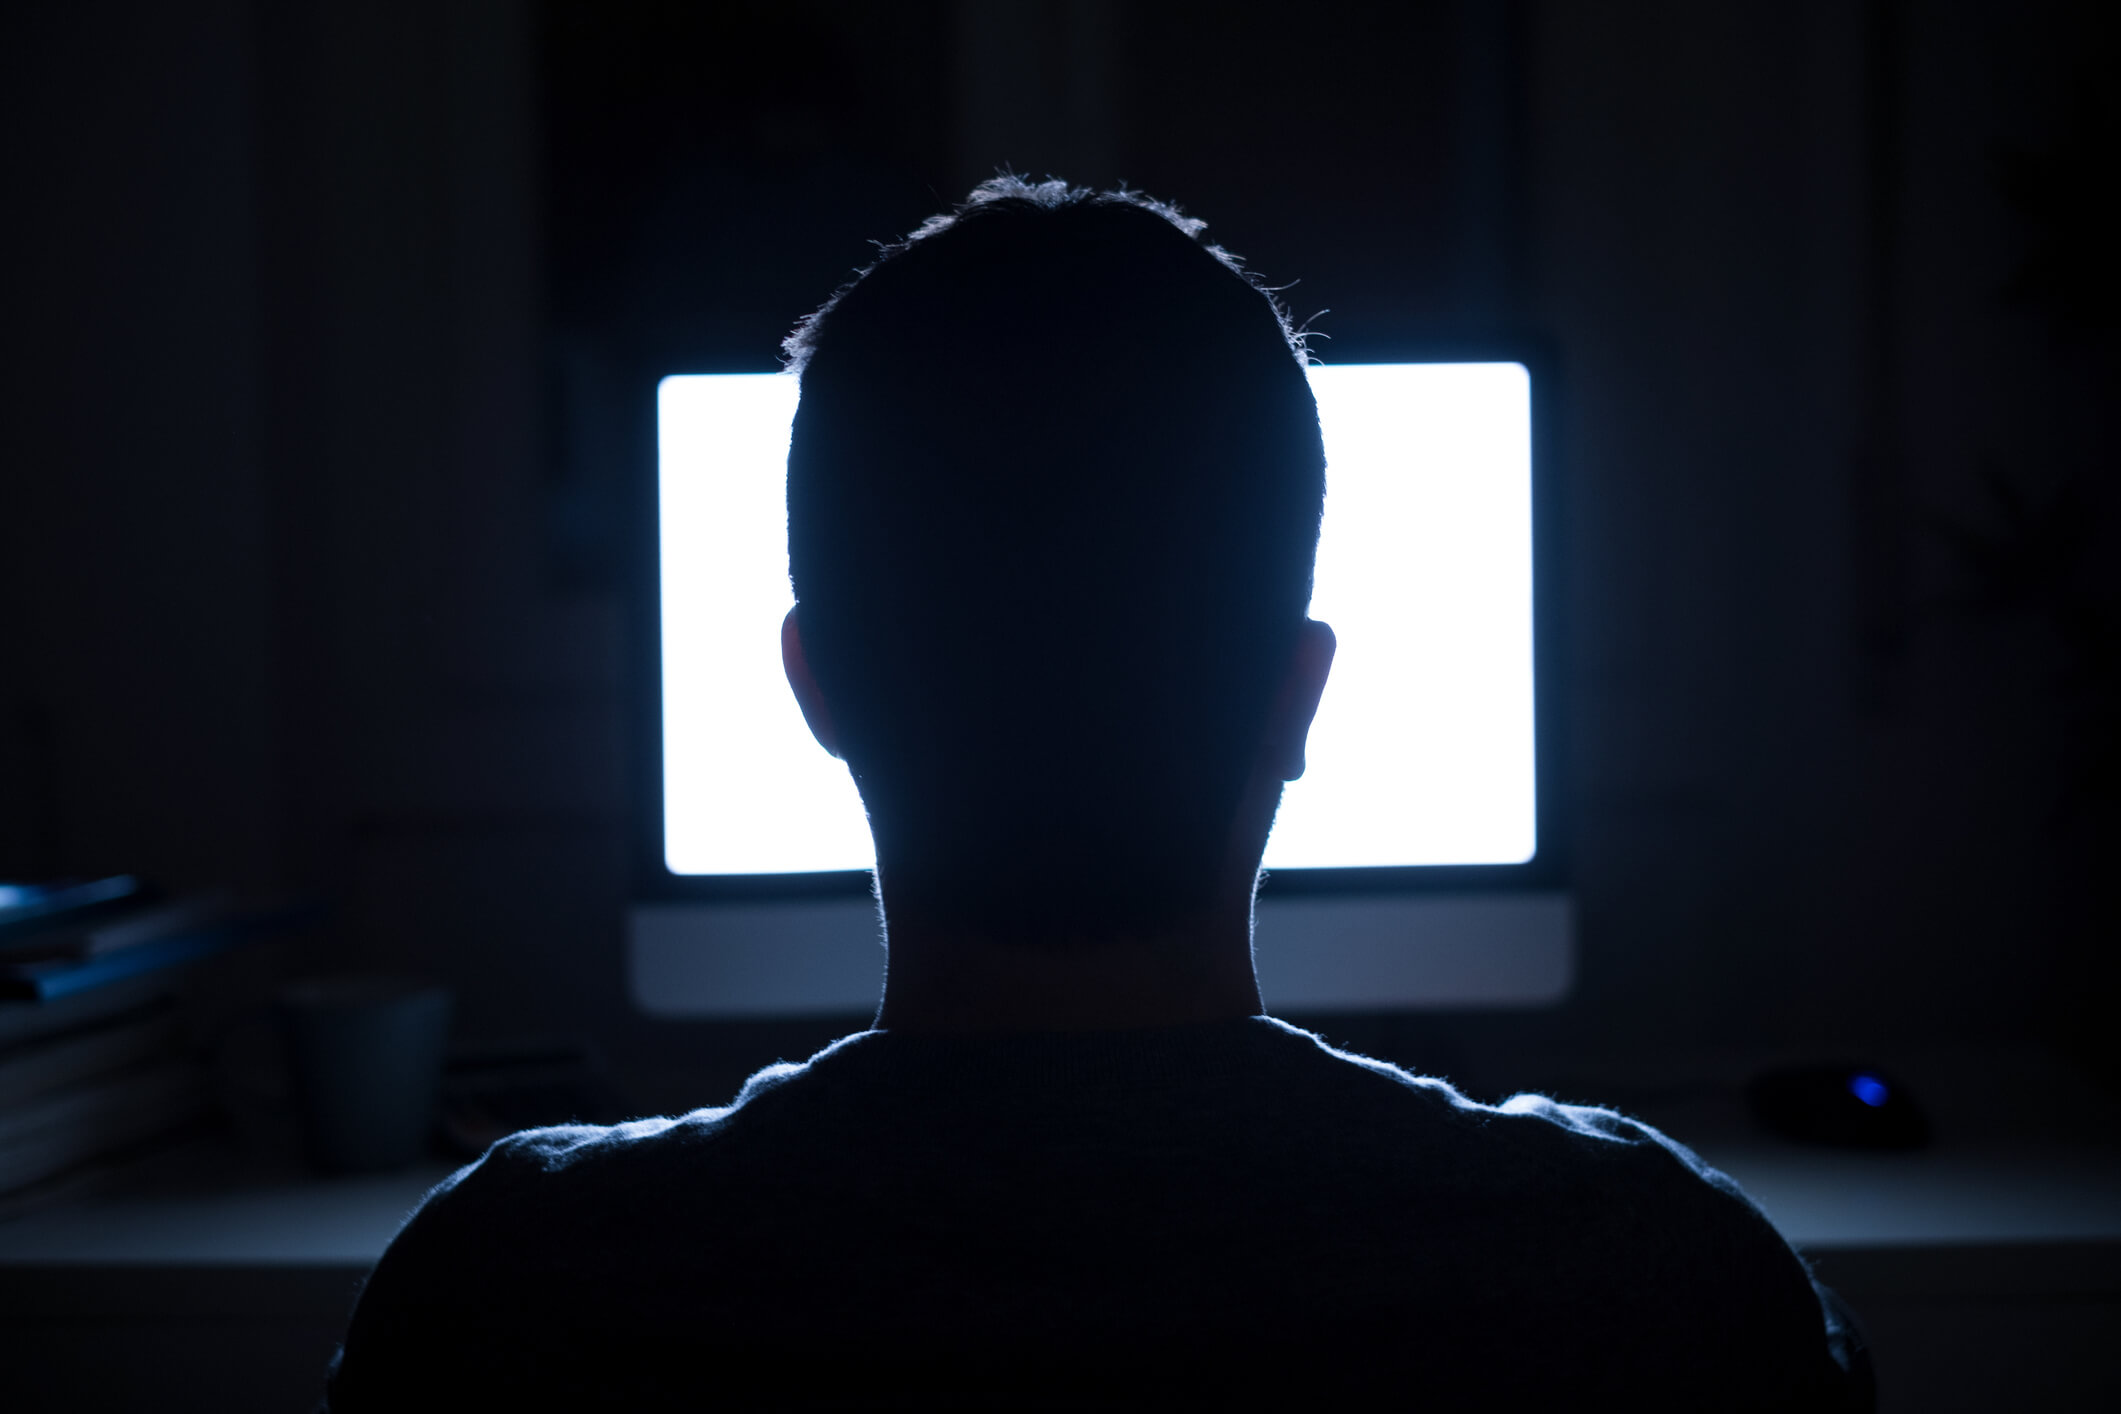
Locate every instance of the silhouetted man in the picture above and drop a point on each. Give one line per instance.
(1053, 492)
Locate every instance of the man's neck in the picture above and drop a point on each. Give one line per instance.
(950, 979)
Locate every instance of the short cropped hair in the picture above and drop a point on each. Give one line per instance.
(1054, 490)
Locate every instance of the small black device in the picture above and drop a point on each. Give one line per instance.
(1846, 1106)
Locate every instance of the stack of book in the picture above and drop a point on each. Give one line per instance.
(95, 1058)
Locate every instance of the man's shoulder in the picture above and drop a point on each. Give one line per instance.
(556, 1169)
(1632, 1236)
(529, 1237)
(1526, 1140)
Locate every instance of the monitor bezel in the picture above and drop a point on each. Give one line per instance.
(654, 882)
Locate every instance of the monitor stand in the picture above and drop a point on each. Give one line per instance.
(1313, 953)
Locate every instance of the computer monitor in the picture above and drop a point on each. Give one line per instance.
(1414, 865)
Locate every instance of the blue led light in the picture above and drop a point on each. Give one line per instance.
(1869, 1089)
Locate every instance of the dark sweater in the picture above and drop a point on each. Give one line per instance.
(1223, 1214)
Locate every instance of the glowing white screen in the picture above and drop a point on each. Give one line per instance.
(1422, 750)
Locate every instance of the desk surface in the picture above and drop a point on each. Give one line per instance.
(252, 1217)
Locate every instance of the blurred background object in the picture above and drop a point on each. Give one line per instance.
(111, 1006)
(367, 1053)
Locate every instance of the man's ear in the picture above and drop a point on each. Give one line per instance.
(804, 684)
(1297, 702)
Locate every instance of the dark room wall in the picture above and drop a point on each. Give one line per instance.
(136, 535)
(309, 568)
(453, 762)
(1823, 795)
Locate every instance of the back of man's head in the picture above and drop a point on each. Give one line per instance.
(1054, 491)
